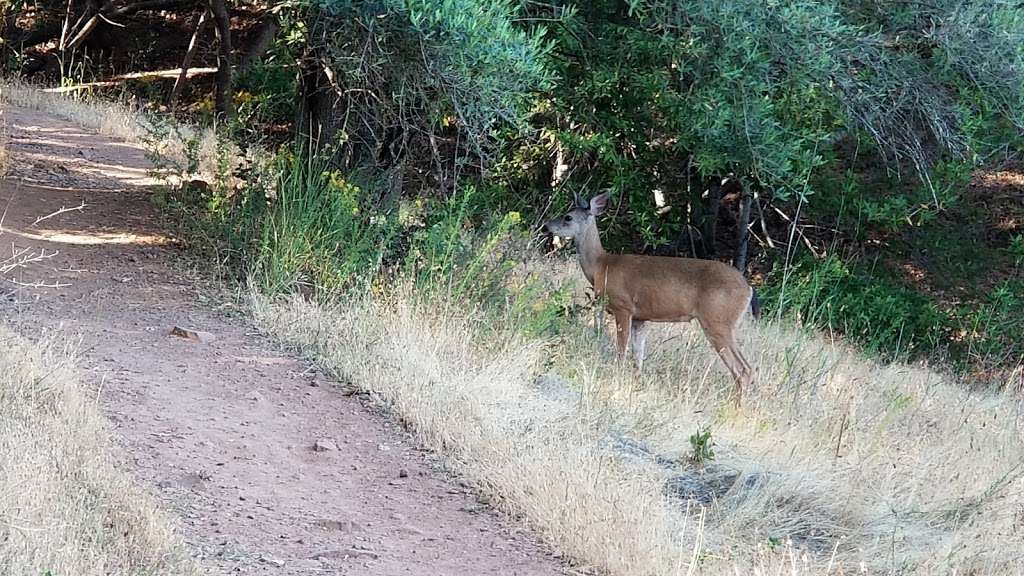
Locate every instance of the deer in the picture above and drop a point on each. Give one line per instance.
(641, 289)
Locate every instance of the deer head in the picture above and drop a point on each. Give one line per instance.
(579, 218)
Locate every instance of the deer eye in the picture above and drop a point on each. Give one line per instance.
(568, 217)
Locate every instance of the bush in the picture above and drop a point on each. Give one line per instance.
(863, 304)
(990, 331)
(322, 231)
(327, 232)
(465, 255)
(894, 321)
(665, 99)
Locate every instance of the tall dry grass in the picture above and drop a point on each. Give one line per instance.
(833, 464)
(106, 117)
(5, 157)
(66, 506)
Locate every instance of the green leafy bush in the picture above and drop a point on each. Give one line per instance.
(702, 447)
(464, 254)
(990, 332)
(887, 318)
(658, 101)
(415, 71)
(321, 231)
(863, 304)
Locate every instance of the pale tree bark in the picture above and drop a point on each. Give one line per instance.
(179, 82)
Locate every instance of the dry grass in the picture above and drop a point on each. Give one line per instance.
(65, 506)
(4, 154)
(108, 118)
(171, 143)
(840, 465)
(5, 157)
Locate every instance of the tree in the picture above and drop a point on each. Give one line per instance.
(222, 21)
(401, 82)
(679, 96)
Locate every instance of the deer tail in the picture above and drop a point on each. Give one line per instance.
(755, 304)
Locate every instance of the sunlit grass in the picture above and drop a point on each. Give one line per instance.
(833, 464)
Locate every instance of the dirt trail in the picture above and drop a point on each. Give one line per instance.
(223, 430)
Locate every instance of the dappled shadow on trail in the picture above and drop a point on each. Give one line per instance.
(221, 427)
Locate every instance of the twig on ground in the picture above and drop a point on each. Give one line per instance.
(22, 257)
(62, 210)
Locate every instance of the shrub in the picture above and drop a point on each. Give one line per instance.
(861, 303)
(464, 254)
(322, 231)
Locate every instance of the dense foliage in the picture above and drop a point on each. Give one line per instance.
(677, 95)
(839, 137)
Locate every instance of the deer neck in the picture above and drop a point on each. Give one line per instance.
(591, 253)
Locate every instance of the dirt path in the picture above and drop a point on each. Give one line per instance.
(223, 430)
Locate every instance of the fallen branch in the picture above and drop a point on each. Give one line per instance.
(62, 210)
(114, 81)
(38, 284)
(798, 230)
(21, 258)
(179, 82)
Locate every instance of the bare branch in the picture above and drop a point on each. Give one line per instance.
(62, 210)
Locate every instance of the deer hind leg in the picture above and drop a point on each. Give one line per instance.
(739, 353)
(747, 368)
(724, 343)
(639, 340)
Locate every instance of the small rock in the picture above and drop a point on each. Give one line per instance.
(324, 445)
(276, 562)
(403, 473)
(197, 335)
(410, 529)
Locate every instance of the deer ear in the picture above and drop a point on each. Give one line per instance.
(579, 202)
(598, 204)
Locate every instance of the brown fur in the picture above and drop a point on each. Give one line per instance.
(643, 289)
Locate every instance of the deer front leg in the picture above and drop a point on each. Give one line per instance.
(623, 330)
(639, 341)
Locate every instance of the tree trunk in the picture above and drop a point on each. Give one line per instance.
(743, 229)
(315, 124)
(268, 29)
(711, 219)
(223, 93)
(179, 83)
(692, 235)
